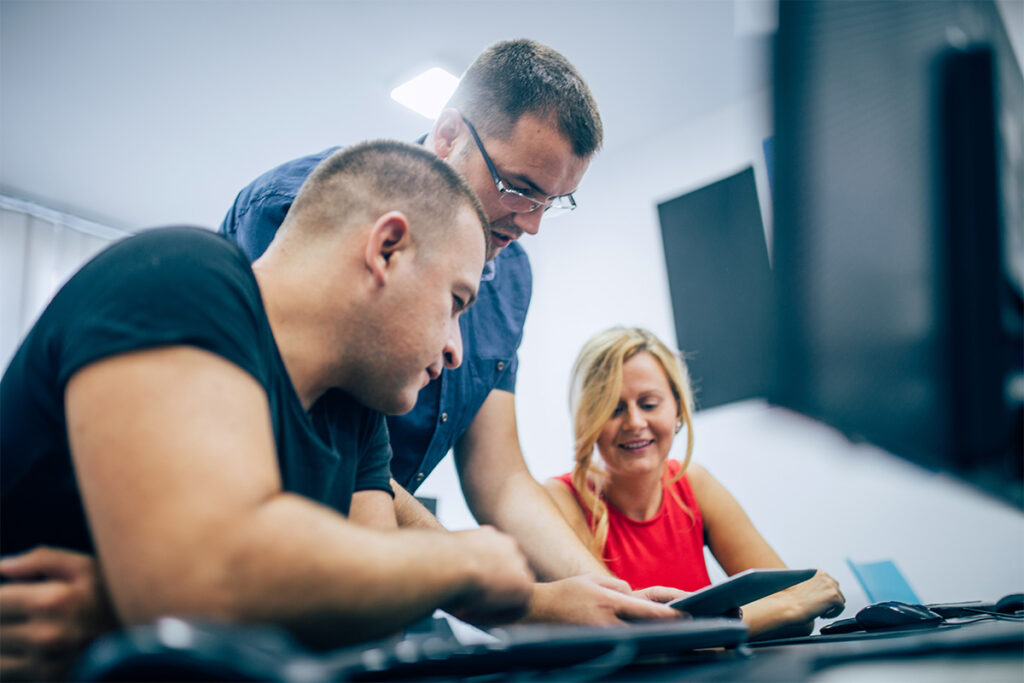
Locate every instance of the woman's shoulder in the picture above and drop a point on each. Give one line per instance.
(565, 481)
(559, 484)
(693, 470)
(696, 477)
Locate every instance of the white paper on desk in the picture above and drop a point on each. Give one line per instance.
(466, 634)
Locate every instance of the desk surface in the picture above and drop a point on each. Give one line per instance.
(986, 650)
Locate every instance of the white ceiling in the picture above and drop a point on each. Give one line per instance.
(137, 114)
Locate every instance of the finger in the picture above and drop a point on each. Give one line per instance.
(15, 667)
(43, 561)
(26, 668)
(21, 601)
(833, 611)
(15, 602)
(38, 638)
(628, 607)
(660, 593)
(611, 582)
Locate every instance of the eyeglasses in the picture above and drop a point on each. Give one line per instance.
(516, 201)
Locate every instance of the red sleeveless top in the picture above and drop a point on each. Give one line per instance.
(666, 550)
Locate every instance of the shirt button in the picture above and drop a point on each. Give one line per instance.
(444, 417)
(420, 476)
(501, 365)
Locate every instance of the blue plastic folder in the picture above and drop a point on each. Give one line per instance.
(882, 581)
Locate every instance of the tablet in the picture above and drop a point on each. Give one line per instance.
(738, 590)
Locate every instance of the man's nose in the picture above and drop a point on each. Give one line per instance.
(529, 222)
(453, 347)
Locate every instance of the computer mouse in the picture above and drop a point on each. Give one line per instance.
(1011, 604)
(894, 614)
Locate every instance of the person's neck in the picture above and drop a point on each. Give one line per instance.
(639, 498)
(299, 338)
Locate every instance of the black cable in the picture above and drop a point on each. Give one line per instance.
(989, 615)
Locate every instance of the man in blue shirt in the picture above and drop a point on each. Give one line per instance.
(521, 127)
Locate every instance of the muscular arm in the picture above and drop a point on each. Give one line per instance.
(410, 512)
(500, 490)
(175, 456)
(373, 509)
(737, 545)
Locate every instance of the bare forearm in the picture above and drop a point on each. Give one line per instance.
(501, 491)
(521, 507)
(792, 612)
(775, 616)
(294, 563)
(411, 513)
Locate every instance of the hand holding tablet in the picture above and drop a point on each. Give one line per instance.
(738, 590)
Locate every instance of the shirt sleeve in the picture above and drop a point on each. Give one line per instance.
(253, 221)
(507, 379)
(260, 208)
(374, 471)
(176, 286)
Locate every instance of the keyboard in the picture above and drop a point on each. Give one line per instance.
(175, 649)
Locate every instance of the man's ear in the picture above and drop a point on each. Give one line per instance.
(446, 131)
(388, 236)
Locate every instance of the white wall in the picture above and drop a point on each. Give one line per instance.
(817, 498)
(39, 250)
(603, 265)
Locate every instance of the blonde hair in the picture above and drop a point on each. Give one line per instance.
(596, 385)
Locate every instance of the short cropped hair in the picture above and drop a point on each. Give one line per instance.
(517, 77)
(358, 184)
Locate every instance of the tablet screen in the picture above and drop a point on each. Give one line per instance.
(738, 590)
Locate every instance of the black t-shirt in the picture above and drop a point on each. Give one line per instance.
(165, 287)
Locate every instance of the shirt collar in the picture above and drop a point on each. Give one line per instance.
(490, 270)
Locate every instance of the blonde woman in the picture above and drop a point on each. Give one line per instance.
(648, 517)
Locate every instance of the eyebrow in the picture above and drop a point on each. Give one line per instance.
(526, 180)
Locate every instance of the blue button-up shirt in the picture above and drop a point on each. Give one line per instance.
(492, 328)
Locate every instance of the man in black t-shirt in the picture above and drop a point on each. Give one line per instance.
(176, 411)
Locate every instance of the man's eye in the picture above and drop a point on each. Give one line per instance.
(525, 191)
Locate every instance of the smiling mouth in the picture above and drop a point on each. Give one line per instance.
(636, 445)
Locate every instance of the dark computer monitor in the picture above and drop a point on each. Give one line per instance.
(899, 231)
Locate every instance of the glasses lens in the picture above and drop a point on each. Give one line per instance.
(560, 205)
(518, 203)
(554, 211)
